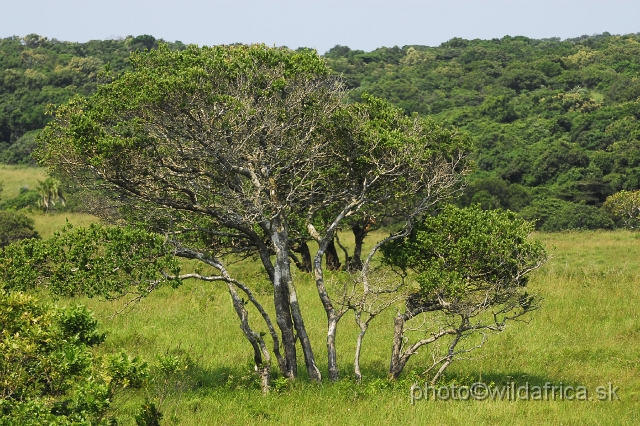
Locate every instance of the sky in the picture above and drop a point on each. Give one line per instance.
(359, 24)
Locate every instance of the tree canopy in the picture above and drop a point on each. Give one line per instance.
(249, 150)
(550, 119)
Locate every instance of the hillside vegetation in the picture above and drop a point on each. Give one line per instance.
(36, 71)
(555, 122)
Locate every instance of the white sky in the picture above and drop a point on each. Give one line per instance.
(358, 24)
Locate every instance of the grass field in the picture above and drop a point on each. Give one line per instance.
(587, 333)
(16, 177)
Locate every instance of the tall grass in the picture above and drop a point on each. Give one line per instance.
(14, 178)
(586, 333)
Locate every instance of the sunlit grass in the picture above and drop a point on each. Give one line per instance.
(16, 177)
(586, 333)
(48, 223)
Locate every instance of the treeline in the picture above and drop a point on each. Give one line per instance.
(36, 71)
(555, 123)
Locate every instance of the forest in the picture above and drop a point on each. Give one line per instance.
(554, 122)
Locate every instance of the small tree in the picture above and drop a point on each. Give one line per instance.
(50, 191)
(472, 267)
(14, 227)
(624, 208)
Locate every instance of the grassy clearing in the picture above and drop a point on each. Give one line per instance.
(47, 224)
(587, 333)
(15, 178)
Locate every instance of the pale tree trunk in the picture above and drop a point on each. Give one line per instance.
(284, 321)
(332, 316)
(261, 356)
(398, 361)
(356, 361)
(332, 354)
(284, 282)
(400, 355)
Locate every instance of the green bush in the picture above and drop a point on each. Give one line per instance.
(28, 198)
(48, 374)
(553, 215)
(14, 227)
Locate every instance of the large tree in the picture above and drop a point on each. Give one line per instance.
(250, 150)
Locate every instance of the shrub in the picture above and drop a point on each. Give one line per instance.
(624, 208)
(14, 227)
(48, 374)
(577, 216)
(26, 199)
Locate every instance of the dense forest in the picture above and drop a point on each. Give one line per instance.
(555, 122)
(36, 71)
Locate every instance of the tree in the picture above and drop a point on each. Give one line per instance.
(624, 208)
(50, 191)
(14, 227)
(389, 166)
(472, 267)
(219, 141)
(247, 151)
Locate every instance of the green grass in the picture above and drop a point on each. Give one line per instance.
(16, 177)
(586, 333)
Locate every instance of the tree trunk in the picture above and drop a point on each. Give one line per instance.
(398, 361)
(332, 316)
(356, 361)
(333, 261)
(284, 282)
(359, 234)
(302, 248)
(284, 320)
(332, 353)
(261, 356)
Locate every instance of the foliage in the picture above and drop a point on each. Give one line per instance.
(36, 71)
(249, 150)
(624, 208)
(472, 266)
(27, 199)
(149, 415)
(534, 108)
(551, 116)
(98, 260)
(457, 252)
(577, 216)
(47, 371)
(14, 227)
